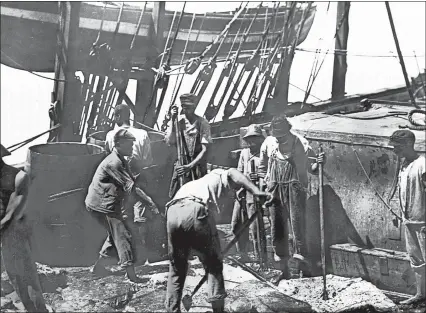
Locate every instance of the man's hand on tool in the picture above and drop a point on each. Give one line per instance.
(174, 111)
(254, 176)
(183, 169)
(320, 159)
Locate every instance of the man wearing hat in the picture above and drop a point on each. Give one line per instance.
(196, 136)
(141, 158)
(248, 164)
(15, 237)
(412, 196)
(112, 184)
(284, 164)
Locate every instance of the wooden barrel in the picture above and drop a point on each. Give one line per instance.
(64, 234)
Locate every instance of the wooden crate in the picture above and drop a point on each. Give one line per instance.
(386, 269)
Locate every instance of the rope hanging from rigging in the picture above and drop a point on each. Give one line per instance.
(234, 67)
(212, 109)
(162, 80)
(193, 64)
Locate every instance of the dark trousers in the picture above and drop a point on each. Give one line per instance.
(189, 226)
(119, 239)
(241, 213)
(289, 204)
(20, 266)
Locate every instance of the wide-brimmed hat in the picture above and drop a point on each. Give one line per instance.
(4, 151)
(253, 130)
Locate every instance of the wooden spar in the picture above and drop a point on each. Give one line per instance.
(321, 207)
(401, 59)
(69, 86)
(341, 44)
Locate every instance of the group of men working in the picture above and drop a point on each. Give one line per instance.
(280, 162)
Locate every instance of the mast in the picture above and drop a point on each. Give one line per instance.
(341, 45)
(401, 59)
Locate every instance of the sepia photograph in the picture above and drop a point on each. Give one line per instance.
(213, 156)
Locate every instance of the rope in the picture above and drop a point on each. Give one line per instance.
(345, 15)
(414, 125)
(374, 189)
(102, 24)
(345, 51)
(169, 57)
(224, 31)
(138, 26)
(27, 141)
(199, 31)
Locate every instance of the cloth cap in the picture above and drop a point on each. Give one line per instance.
(188, 99)
(280, 126)
(402, 138)
(4, 151)
(253, 130)
(123, 134)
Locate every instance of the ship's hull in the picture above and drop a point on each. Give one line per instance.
(29, 33)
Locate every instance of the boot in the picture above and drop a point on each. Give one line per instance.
(218, 306)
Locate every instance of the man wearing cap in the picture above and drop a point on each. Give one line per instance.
(248, 164)
(196, 136)
(15, 237)
(412, 196)
(141, 158)
(191, 225)
(111, 185)
(284, 165)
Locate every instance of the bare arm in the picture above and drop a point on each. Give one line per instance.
(241, 180)
(199, 157)
(146, 199)
(18, 199)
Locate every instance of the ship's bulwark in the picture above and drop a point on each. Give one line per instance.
(29, 33)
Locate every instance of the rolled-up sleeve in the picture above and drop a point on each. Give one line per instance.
(119, 173)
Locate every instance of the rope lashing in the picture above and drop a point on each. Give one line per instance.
(194, 63)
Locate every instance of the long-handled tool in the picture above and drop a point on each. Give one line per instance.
(179, 149)
(260, 241)
(187, 299)
(321, 206)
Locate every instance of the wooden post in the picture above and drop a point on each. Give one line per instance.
(67, 91)
(146, 87)
(341, 45)
(401, 59)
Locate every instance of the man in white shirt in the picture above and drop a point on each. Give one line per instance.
(141, 156)
(191, 225)
(412, 196)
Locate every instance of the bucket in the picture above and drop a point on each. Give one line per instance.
(64, 233)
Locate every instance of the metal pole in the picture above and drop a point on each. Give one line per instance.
(321, 206)
(401, 60)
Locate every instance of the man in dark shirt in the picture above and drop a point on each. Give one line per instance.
(15, 236)
(111, 185)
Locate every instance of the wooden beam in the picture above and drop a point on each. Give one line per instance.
(341, 45)
(68, 88)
